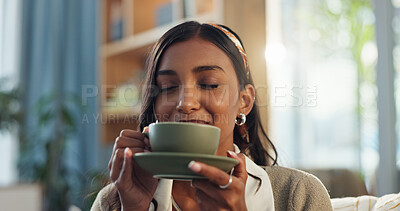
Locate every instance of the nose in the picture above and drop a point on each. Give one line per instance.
(188, 101)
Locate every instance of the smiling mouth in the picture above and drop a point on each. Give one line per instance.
(195, 121)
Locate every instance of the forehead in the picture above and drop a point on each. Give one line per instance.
(195, 52)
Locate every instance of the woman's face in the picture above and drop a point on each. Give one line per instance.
(198, 83)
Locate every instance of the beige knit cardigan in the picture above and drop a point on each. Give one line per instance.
(293, 190)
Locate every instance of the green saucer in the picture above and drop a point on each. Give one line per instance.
(171, 165)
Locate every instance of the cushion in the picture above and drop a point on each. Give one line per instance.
(387, 202)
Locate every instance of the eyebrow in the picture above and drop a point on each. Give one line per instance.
(206, 68)
(194, 70)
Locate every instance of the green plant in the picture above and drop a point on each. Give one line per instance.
(10, 115)
(43, 144)
(43, 149)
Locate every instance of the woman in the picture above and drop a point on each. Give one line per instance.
(199, 73)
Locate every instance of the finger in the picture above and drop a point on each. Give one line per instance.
(125, 176)
(132, 134)
(123, 142)
(116, 164)
(146, 139)
(208, 187)
(117, 161)
(137, 150)
(112, 155)
(240, 168)
(215, 175)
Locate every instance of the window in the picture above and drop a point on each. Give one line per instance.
(321, 58)
(9, 45)
(396, 60)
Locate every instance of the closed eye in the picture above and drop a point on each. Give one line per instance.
(170, 88)
(209, 86)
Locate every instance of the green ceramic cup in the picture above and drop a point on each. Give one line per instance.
(183, 137)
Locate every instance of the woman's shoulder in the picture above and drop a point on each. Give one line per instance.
(290, 174)
(289, 178)
(107, 199)
(300, 190)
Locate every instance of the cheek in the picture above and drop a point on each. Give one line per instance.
(223, 104)
(165, 106)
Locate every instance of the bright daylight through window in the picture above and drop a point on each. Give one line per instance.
(323, 84)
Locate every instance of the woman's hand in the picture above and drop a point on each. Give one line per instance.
(135, 186)
(209, 194)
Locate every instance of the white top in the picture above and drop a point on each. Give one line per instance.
(261, 199)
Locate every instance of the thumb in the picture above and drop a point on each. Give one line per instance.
(146, 139)
(126, 171)
(240, 168)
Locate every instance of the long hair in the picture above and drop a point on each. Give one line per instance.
(261, 155)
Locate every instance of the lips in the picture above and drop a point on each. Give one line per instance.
(194, 121)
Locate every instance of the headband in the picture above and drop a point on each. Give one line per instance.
(235, 41)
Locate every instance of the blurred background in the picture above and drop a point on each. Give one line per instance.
(326, 74)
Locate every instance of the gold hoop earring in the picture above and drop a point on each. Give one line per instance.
(242, 120)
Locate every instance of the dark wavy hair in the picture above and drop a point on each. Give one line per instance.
(261, 155)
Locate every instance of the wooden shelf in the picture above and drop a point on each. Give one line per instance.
(123, 60)
(114, 120)
(139, 43)
(120, 113)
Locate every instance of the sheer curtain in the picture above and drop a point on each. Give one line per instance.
(314, 85)
(60, 41)
(331, 96)
(9, 54)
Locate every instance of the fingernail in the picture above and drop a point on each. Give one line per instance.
(233, 154)
(128, 152)
(194, 166)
